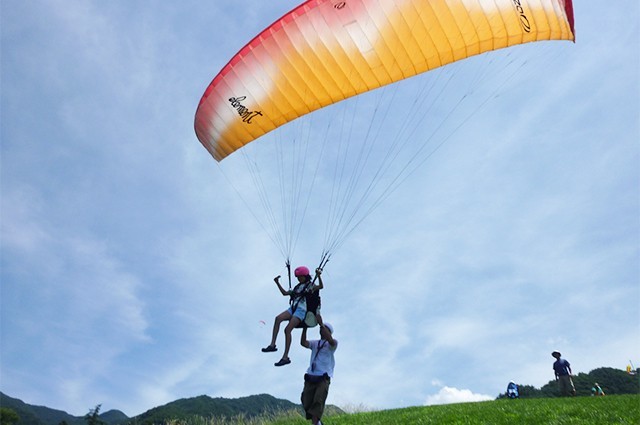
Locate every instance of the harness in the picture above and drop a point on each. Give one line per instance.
(297, 295)
(321, 345)
(312, 298)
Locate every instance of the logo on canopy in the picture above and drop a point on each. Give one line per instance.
(524, 21)
(245, 113)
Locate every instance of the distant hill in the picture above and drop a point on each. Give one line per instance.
(203, 406)
(113, 417)
(40, 415)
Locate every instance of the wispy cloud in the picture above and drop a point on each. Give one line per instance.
(83, 307)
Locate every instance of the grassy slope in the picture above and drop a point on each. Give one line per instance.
(623, 409)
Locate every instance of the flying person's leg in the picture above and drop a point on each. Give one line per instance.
(282, 317)
(295, 321)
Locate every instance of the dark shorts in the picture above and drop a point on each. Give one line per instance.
(314, 395)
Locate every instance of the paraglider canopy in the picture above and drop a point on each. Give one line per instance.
(324, 52)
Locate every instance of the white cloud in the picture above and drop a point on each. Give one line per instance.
(448, 395)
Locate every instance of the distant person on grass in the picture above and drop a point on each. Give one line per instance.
(512, 390)
(596, 390)
(562, 370)
(320, 371)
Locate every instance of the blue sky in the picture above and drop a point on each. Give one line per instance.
(132, 273)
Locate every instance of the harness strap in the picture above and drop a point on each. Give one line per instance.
(294, 302)
(321, 345)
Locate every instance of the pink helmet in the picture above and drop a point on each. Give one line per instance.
(301, 271)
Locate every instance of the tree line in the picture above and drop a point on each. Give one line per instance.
(612, 381)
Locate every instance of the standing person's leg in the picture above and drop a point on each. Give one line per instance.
(561, 385)
(313, 398)
(306, 398)
(572, 388)
(319, 400)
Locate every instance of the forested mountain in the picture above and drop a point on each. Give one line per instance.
(204, 406)
(40, 415)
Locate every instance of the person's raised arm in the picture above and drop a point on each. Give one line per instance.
(320, 284)
(282, 290)
(325, 333)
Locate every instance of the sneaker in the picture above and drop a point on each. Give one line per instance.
(269, 349)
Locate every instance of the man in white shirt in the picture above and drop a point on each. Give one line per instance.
(320, 371)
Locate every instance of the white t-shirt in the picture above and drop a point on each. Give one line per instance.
(322, 360)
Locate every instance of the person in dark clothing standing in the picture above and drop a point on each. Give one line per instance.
(562, 370)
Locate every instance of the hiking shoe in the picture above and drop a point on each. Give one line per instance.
(283, 362)
(269, 349)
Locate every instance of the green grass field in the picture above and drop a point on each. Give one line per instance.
(622, 409)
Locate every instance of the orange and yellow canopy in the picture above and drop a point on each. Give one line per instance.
(325, 51)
